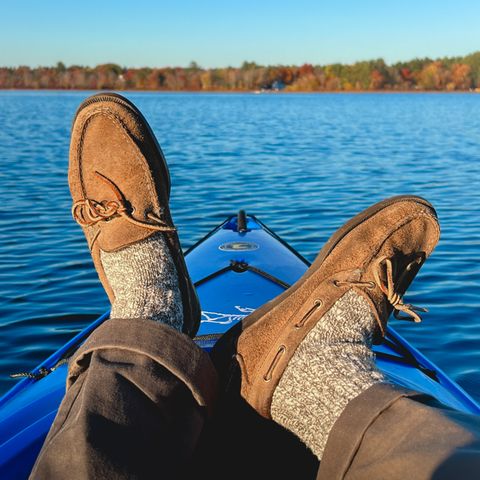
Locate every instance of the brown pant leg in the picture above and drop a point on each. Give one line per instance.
(392, 433)
(138, 393)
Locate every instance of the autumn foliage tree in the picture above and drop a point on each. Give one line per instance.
(444, 74)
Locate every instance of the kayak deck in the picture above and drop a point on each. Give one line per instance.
(236, 268)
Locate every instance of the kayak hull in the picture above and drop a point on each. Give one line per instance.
(238, 267)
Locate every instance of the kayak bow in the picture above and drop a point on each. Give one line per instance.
(236, 268)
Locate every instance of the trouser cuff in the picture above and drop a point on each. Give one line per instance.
(348, 431)
(171, 349)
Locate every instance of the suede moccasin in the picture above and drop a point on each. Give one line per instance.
(120, 186)
(377, 254)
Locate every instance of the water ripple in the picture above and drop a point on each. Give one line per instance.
(303, 164)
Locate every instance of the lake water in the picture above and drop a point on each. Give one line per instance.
(303, 164)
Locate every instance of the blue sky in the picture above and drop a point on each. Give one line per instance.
(220, 33)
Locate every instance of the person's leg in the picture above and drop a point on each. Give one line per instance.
(138, 394)
(393, 433)
(304, 359)
(308, 349)
(139, 389)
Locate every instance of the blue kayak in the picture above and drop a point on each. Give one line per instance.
(236, 268)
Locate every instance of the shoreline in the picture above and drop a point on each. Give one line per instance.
(252, 92)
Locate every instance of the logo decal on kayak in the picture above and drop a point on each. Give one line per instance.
(226, 318)
(239, 246)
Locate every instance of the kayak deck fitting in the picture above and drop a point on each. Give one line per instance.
(236, 268)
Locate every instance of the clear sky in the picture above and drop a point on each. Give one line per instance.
(221, 33)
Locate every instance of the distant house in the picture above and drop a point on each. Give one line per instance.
(278, 85)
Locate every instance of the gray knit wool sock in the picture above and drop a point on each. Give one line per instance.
(145, 282)
(332, 365)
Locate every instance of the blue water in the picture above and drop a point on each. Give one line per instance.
(303, 164)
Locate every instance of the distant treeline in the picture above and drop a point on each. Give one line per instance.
(444, 74)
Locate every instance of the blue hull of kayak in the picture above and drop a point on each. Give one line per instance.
(235, 272)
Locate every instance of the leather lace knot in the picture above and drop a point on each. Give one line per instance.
(88, 212)
(385, 268)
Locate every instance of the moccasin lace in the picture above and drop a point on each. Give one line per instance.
(88, 212)
(385, 268)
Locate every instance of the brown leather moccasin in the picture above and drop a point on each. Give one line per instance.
(120, 186)
(377, 254)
